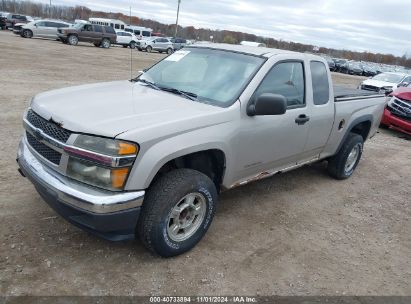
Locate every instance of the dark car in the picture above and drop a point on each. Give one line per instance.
(369, 70)
(99, 35)
(355, 68)
(341, 65)
(331, 64)
(3, 22)
(178, 43)
(12, 19)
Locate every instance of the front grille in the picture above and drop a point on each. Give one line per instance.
(45, 151)
(50, 128)
(17, 27)
(370, 88)
(400, 108)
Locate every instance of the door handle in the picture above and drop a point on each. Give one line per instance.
(302, 119)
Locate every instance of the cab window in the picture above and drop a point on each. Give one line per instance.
(287, 79)
(321, 87)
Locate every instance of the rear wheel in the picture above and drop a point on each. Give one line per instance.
(149, 49)
(105, 43)
(72, 40)
(177, 212)
(342, 165)
(27, 34)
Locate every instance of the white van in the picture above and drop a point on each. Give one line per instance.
(140, 31)
(115, 24)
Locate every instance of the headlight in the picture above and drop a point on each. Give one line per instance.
(101, 162)
(105, 146)
(92, 174)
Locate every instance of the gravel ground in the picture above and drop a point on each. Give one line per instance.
(300, 233)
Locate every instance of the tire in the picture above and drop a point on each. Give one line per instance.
(160, 209)
(149, 49)
(72, 40)
(169, 51)
(342, 165)
(105, 43)
(132, 45)
(27, 34)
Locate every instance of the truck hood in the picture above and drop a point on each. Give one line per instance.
(403, 93)
(378, 83)
(109, 109)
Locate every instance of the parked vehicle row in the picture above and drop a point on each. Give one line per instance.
(99, 35)
(368, 69)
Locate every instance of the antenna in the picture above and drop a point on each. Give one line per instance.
(131, 54)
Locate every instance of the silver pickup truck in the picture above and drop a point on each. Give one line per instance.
(148, 157)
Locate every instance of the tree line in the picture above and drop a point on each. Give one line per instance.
(70, 13)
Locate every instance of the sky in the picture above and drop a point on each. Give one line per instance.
(382, 26)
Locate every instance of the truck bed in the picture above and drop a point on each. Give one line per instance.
(342, 93)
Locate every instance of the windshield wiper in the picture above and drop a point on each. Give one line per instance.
(189, 95)
(151, 84)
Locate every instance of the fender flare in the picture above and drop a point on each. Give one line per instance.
(358, 120)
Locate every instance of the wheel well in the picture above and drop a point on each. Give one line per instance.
(208, 162)
(362, 128)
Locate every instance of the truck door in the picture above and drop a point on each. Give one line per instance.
(271, 143)
(321, 110)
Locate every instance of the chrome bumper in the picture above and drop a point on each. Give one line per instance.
(73, 193)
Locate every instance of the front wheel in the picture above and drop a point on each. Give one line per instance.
(169, 51)
(73, 40)
(342, 165)
(132, 45)
(149, 49)
(27, 34)
(177, 212)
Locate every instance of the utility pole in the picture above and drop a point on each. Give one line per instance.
(178, 12)
(50, 10)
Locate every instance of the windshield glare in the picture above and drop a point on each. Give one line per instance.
(393, 78)
(217, 77)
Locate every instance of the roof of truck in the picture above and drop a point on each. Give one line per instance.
(253, 50)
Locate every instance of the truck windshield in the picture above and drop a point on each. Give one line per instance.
(214, 76)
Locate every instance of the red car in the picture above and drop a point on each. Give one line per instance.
(397, 114)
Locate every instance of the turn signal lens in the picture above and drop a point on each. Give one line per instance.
(126, 148)
(119, 177)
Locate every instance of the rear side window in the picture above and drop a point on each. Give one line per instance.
(98, 28)
(110, 30)
(287, 79)
(321, 87)
(51, 24)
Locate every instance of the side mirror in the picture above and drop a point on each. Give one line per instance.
(268, 104)
(403, 84)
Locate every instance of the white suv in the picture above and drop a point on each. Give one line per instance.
(159, 44)
(126, 39)
(40, 28)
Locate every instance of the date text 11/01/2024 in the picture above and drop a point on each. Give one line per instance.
(204, 299)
